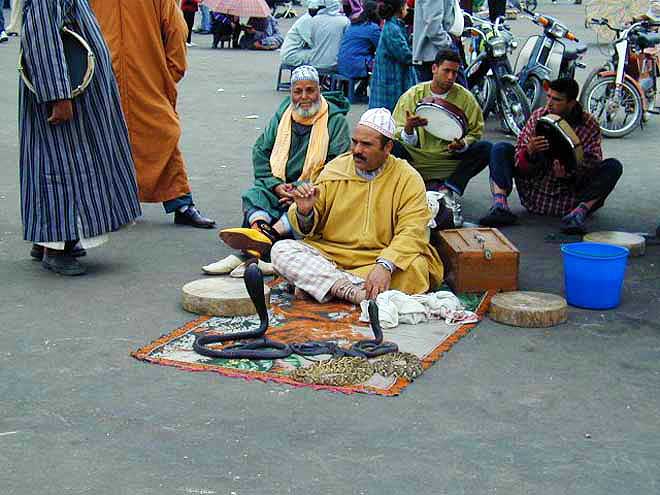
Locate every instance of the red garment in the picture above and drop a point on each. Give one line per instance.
(190, 5)
(542, 192)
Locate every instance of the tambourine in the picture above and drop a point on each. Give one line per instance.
(565, 145)
(445, 120)
(80, 61)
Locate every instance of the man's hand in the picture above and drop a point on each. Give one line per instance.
(61, 112)
(558, 170)
(285, 193)
(378, 281)
(413, 122)
(537, 144)
(305, 197)
(456, 145)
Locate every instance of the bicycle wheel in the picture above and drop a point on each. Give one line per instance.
(618, 110)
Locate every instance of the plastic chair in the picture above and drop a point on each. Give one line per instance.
(284, 85)
(347, 85)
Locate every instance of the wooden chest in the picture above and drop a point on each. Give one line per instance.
(478, 259)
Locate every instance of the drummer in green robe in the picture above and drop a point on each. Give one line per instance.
(445, 166)
(308, 130)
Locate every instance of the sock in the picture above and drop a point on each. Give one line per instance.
(182, 209)
(580, 212)
(500, 201)
(344, 289)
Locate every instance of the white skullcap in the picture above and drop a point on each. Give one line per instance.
(379, 119)
(305, 73)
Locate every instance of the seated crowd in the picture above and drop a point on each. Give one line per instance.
(347, 216)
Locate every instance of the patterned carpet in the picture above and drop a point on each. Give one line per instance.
(294, 320)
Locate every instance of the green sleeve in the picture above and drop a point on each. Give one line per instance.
(261, 151)
(405, 103)
(475, 121)
(340, 138)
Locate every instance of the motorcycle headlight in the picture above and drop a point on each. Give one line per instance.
(497, 47)
(557, 30)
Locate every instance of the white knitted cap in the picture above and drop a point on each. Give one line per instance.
(379, 119)
(305, 73)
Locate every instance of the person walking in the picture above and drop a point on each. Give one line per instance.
(76, 169)
(497, 8)
(147, 41)
(3, 35)
(189, 9)
(16, 19)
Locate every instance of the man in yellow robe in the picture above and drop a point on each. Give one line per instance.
(147, 40)
(364, 223)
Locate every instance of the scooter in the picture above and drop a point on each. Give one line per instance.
(557, 53)
(623, 97)
(489, 73)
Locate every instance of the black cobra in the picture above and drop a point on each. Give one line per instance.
(255, 345)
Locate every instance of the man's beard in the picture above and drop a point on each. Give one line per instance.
(306, 113)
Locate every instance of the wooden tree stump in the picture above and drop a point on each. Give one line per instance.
(219, 297)
(636, 244)
(528, 309)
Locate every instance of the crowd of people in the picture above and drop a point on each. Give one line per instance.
(339, 213)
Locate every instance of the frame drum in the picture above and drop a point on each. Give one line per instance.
(445, 120)
(565, 145)
(80, 60)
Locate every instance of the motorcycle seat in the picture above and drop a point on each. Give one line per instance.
(648, 40)
(572, 50)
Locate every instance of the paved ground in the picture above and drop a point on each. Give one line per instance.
(571, 410)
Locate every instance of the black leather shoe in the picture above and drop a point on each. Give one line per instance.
(193, 218)
(37, 252)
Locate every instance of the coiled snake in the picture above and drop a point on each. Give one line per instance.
(255, 345)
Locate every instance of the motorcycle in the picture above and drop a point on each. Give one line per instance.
(621, 94)
(490, 75)
(557, 53)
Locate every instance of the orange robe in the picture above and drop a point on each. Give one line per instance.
(147, 39)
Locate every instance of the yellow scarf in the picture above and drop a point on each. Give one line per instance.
(317, 149)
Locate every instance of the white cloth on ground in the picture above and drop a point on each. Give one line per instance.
(395, 307)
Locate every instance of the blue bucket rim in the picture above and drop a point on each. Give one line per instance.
(623, 251)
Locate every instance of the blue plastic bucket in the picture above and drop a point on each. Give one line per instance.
(593, 274)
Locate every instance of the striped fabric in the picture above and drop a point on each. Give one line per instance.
(82, 169)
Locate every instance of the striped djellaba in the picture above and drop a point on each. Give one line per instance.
(80, 172)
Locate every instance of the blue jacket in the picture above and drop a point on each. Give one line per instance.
(358, 48)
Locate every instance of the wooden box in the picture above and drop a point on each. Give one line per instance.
(478, 259)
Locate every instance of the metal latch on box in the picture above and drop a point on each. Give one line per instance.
(488, 253)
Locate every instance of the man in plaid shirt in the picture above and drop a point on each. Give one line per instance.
(546, 186)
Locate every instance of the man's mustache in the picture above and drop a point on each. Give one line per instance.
(358, 156)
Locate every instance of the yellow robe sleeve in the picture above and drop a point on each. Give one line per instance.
(411, 234)
(175, 33)
(319, 213)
